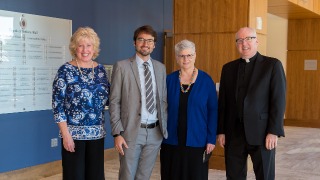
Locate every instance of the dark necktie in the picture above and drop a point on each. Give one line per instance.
(149, 89)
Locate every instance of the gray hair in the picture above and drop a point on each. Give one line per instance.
(184, 44)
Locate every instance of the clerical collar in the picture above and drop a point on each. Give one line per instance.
(251, 59)
(247, 60)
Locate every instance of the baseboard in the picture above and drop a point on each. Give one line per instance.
(315, 123)
(48, 169)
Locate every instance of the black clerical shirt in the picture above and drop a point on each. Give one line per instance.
(244, 75)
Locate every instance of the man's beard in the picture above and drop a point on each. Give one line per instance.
(143, 52)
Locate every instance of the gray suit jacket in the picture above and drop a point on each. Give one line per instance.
(125, 98)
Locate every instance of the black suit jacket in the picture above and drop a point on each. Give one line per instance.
(264, 103)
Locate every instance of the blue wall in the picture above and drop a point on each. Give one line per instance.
(26, 137)
(123, 17)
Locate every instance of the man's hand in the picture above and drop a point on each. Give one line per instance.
(271, 141)
(119, 142)
(221, 140)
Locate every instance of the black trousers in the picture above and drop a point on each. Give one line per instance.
(236, 154)
(182, 163)
(86, 163)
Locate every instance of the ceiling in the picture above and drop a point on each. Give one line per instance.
(294, 9)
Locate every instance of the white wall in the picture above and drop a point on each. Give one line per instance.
(277, 34)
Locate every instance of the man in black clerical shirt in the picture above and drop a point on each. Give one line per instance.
(251, 109)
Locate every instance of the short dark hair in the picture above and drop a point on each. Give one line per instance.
(145, 29)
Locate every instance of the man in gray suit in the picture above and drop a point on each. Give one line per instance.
(138, 108)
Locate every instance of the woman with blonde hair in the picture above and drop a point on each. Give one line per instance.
(80, 93)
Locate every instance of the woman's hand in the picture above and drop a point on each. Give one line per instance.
(210, 148)
(68, 143)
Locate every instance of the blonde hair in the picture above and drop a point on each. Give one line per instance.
(81, 33)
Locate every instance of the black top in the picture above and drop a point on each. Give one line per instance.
(244, 74)
(182, 121)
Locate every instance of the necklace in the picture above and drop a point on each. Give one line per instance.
(92, 76)
(189, 85)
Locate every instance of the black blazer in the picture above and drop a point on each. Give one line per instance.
(264, 103)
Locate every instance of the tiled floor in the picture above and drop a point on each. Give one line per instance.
(297, 158)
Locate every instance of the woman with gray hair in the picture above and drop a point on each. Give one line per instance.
(192, 119)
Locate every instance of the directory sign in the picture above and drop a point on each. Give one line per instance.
(32, 48)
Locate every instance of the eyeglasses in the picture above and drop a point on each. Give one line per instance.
(246, 39)
(188, 56)
(148, 41)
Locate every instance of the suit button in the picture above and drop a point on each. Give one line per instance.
(139, 114)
